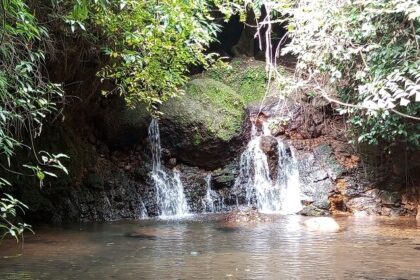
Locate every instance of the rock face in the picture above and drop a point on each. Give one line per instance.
(318, 171)
(108, 192)
(203, 133)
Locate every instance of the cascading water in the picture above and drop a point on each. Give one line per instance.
(281, 194)
(170, 195)
(143, 211)
(212, 202)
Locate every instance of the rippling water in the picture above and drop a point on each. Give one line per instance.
(206, 248)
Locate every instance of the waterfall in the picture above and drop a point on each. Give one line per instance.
(281, 194)
(170, 195)
(143, 211)
(212, 202)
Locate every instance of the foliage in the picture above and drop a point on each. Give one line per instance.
(368, 51)
(8, 208)
(150, 44)
(26, 100)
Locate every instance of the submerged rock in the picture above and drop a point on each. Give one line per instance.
(313, 211)
(244, 216)
(322, 224)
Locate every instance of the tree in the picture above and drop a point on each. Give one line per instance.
(151, 44)
(27, 98)
(367, 51)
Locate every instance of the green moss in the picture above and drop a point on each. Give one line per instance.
(196, 139)
(248, 77)
(224, 105)
(214, 103)
(214, 108)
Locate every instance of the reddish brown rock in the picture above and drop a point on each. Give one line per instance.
(269, 145)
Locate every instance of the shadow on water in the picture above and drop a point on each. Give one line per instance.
(140, 236)
(227, 229)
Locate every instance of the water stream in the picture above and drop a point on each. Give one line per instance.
(270, 195)
(212, 202)
(170, 197)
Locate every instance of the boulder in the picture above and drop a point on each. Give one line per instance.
(322, 224)
(313, 211)
(203, 127)
(243, 216)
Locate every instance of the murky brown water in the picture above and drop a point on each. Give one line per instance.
(366, 248)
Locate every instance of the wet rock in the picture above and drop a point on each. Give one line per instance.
(325, 156)
(338, 204)
(322, 224)
(316, 184)
(269, 146)
(103, 149)
(91, 139)
(385, 211)
(225, 178)
(277, 130)
(369, 203)
(95, 181)
(195, 186)
(141, 173)
(202, 131)
(390, 198)
(244, 215)
(393, 211)
(172, 162)
(278, 126)
(313, 211)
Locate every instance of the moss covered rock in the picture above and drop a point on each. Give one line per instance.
(247, 76)
(209, 104)
(203, 126)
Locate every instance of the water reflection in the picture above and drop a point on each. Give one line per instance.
(366, 248)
